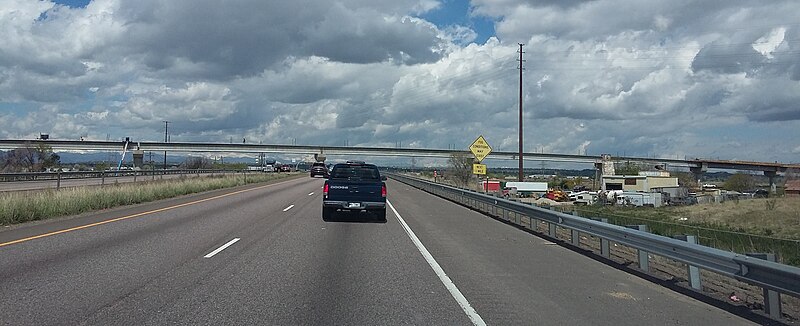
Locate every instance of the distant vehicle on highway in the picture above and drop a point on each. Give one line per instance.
(286, 168)
(302, 166)
(760, 193)
(319, 169)
(354, 187)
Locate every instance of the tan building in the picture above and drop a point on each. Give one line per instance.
(643, 182)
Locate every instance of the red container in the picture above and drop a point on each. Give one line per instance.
(490, 185)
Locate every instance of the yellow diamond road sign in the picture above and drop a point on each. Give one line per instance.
(480, 148)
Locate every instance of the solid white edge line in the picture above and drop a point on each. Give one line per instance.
(288, 208)
(448, 283)
(216, 251)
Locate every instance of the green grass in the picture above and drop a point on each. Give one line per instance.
(16, 207)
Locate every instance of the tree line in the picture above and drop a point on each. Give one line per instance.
(29, 158)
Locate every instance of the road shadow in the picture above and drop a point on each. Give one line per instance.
(355, 217)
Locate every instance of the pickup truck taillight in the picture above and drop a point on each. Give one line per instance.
(325, 191)
(383, 190)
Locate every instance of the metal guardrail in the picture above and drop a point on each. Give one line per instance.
(755, 271)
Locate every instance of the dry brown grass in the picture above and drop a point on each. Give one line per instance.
(776, 217)
(20, 207)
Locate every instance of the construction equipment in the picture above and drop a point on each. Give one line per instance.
(557, 195)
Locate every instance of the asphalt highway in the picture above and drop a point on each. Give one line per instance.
(261, 255)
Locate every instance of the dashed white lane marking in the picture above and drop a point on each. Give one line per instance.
(462, 301)
(311, 194)
(288, 208)
(216, 251)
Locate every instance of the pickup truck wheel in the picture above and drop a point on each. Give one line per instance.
(327, 213)
(381, 214)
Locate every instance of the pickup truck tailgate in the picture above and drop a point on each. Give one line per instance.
(355, 191)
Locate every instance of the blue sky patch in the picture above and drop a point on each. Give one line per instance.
(19, 109)
(456, 12)
(73, 3)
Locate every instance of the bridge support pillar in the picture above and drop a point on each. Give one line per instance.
(598, 174)
(138, 158)
(772, 187)
(698, 172)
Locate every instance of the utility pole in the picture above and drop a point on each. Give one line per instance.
(521, 175)
(166, 139)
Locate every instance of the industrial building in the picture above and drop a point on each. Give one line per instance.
(644, 182)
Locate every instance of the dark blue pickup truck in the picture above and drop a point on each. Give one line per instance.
(354, 187)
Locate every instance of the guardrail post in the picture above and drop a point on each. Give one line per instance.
(135, 173)
(58, 182)
(644, 259)
(692, 271)
(102, 178)
(772, 299)
(605, 246)
(551, 227)
(644, 256)
(575, 237)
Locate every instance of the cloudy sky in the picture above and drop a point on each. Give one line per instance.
(678, 78)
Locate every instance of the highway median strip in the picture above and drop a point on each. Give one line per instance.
(41, 201)
(24, 207)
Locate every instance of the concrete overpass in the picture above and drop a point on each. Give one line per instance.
(696, 166)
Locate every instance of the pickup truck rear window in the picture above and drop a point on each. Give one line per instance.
(355, 172)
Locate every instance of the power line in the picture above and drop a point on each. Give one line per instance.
(467, 78)
(662, 58)
(663, 48)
